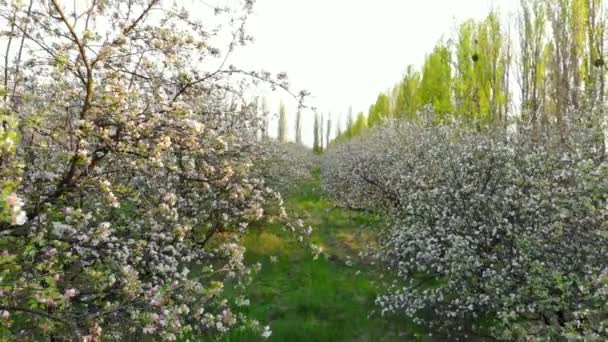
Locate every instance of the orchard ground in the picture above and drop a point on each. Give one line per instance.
(330, 298)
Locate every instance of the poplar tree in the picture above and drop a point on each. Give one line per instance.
(328, 130)
(408, 100)
(298, 127)
(436, 84)
(339, 129)
(532, 58)
(349, 123)
(379, 110)
(360, 124)
(482, 65)
(595, 63)
(265, 113)
(316, 142)
(321, 132)
(282, 127)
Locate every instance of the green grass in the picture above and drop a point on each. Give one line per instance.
(303, 299)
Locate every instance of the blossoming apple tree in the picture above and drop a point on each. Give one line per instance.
(490, 232)
(126, 149)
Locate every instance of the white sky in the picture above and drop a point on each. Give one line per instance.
(345, 52)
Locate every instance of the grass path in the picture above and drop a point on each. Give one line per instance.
(328, 299)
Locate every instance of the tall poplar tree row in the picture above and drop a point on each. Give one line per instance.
(560, 70)
(562, 62)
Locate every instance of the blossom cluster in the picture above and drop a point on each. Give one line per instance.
(11, 205)
(504, 226)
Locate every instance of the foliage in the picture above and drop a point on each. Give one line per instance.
(502, 227)
(435, 87)
(408, 101)
(481, 82)
(11, 205)
(137, 168)
(379, 111)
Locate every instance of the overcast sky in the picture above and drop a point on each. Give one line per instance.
(347, 51)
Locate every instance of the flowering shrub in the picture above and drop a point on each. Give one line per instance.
(498, 227)
(137, 172)
(360, 174)
(286, 165)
